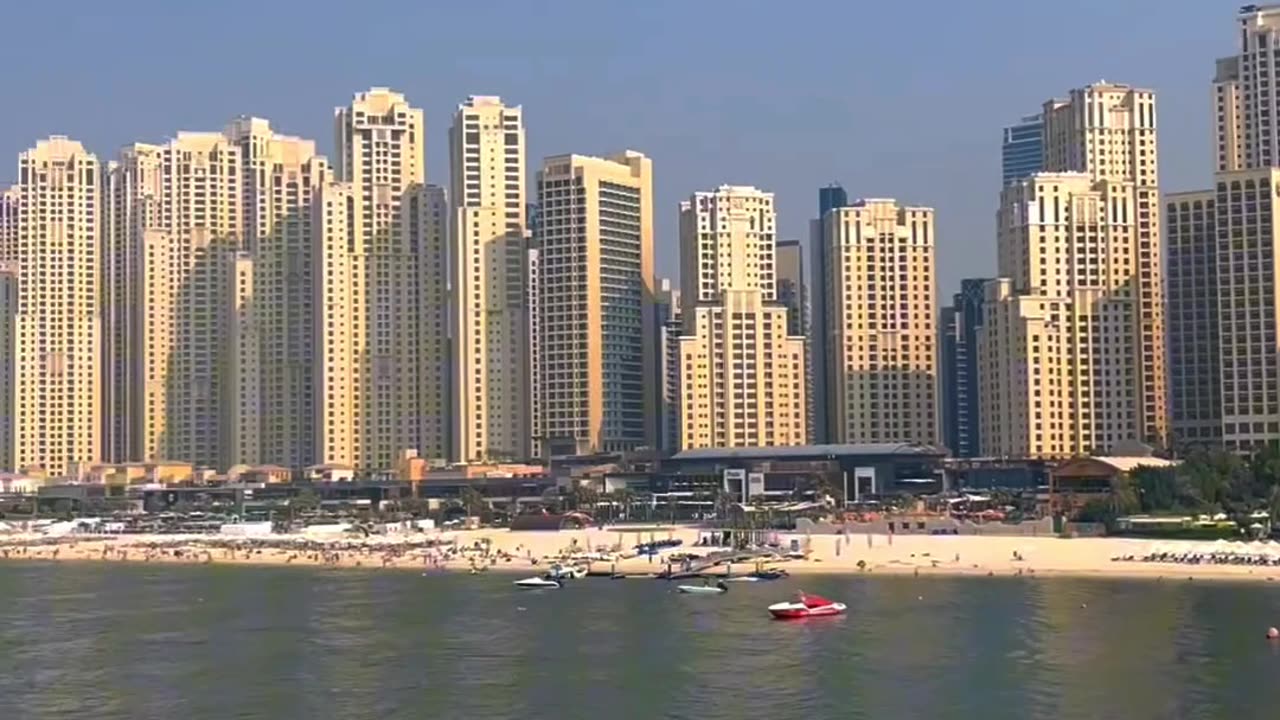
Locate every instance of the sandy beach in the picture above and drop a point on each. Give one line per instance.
(531, 552)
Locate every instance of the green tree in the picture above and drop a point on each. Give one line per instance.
(583, 497)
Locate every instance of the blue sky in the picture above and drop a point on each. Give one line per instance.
(892, 99)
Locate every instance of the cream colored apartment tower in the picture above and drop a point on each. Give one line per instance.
(381, 335)
(1080, 244)
(183, 230)
(742, 379)
(133, 187)
(881, 342)
(1060, 352)
(51, 311)
(1245, 97)
(1108, 132)
(282, 179)
(596, 279)
(490, 413)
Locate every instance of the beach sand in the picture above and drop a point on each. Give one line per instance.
(507, 551)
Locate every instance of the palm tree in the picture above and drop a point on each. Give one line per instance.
(724, 503)
(623, 497)
(472, 500)
(584, 496)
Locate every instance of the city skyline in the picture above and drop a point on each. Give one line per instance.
(698, 134)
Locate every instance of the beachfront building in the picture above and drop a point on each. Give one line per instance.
(1073, 345)
(382, 382)
(490, 408)
(51, 311)
(595, 244)
(877, 286)
(1076, 482)
(742, 369)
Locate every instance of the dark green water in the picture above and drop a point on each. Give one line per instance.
(204, 643)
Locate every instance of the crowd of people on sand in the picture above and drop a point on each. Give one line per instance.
(434, 553)
(1257, 559)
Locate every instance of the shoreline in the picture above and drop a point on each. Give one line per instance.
(512, 553)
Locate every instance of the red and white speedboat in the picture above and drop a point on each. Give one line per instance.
(806, 606)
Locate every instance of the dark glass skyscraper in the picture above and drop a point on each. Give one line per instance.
(958, 357)
(1022, 152)
(830, 197)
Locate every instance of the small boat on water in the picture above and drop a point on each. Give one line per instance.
(805, 606)
(565, 572)
(773, 574)
(536, 583)
(743, 578)
(717, 589)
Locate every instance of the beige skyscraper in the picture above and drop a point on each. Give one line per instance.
(382, 380)
(1082, 239)
(880, 307)
(185, 247)
(51, 311)
(741, 369)
(133, 187)
(596, 261)
(282, 177)
(490, 413)
(1246, 101)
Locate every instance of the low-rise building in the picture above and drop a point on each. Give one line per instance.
(1076, 482)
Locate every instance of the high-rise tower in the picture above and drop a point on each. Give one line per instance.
(491, 413)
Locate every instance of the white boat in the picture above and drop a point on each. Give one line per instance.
(700, 589)
(536, 583)
(806, 606)
(742, 578)
(566, 572)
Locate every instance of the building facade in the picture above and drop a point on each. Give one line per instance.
(51, 311)
(1195, 390)
(1248, 302)
(595, 243)
(741, 365)
(382, 335)
(1022, 149)
(880, 319)
(958, 372)
(491, 416)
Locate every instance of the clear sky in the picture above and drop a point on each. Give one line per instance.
(890, 98)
